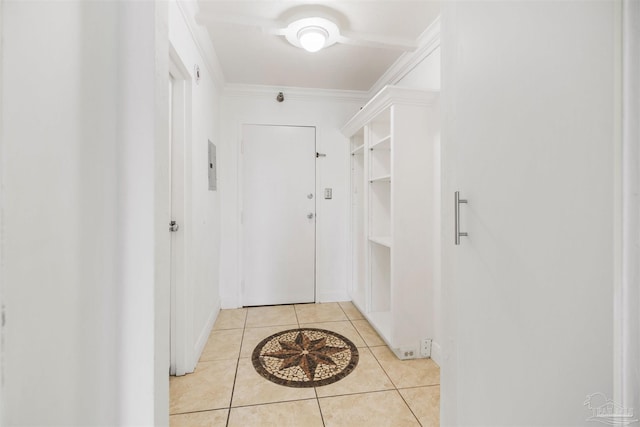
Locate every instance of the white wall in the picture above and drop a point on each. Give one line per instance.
(426, 75)
(78, 140)
(327, 114)
(202, 224)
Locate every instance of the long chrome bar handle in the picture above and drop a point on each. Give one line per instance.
(457, 201)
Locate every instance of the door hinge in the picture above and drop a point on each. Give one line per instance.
(320, 155)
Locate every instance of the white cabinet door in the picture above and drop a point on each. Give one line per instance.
(529, 140)
(278, 214)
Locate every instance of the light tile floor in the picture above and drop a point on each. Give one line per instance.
(225, 389)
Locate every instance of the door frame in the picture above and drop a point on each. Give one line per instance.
(181, 293)
(240, 180)
(627, 288)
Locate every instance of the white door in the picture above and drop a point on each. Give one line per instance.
(180, 351)
(278, 214)
(529, 140)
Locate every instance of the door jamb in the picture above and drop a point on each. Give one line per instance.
(181, 291)
(627, 292)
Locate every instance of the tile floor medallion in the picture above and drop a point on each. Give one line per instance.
(305, 357)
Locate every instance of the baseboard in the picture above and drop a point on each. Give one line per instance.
(334, 296)
(436, 353)
(204, 334)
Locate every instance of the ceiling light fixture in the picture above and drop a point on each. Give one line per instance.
(312, 34)
(312, 39)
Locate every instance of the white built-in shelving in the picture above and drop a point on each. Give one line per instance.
(394, 207)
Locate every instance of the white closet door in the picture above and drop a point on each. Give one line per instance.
(529, 100)
(278, 214)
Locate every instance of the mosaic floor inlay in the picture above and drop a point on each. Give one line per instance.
(305, 357)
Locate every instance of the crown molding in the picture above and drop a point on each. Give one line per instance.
(297, 93)
(200, 36)
(384, 99)
(428, 41)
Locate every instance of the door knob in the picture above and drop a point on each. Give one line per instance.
(173, 226)
(310, 215)
(310, 196)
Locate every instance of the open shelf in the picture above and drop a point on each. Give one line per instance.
(384, 178)
(394, 210)
(358, 150)
(381, 240)
(382, 144)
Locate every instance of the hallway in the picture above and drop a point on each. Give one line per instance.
(225, 389)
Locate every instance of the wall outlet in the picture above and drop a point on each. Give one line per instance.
(407, 353)
(425, 347)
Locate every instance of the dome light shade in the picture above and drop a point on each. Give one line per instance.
(312, 34)
(312, 39)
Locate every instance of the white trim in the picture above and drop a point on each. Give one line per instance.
(428, 41)
(2, 232)
(333, 296)
(200, 36)
(182, 291)
(239, 285)
(383, 99)
(627, 299)
(266, 91)
(436, 353)
(318, 224)
(198, 348)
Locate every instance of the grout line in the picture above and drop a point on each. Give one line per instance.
(325, 321)
(419, 386)
(296, 313)
(384, 370)
(250, 405)
(358, 332)
(235, 377)
(197, 411)
(409, 406)
(315, 389)
(355, 393)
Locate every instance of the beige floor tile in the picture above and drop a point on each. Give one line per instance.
(313, 313)
(344, 328)
(302, 413)
(253, 336)
(381, 409)
(366, 377)
(271, 316)
(350, 310)
(216, 418)
(231, 319)
(407, 373)
(209, 387)
(425, 404)
(222, 344)
(369, 334)
(253, 389)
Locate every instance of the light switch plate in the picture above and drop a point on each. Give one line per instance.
(327, 193)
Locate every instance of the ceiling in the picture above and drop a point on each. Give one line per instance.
(248, 42)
